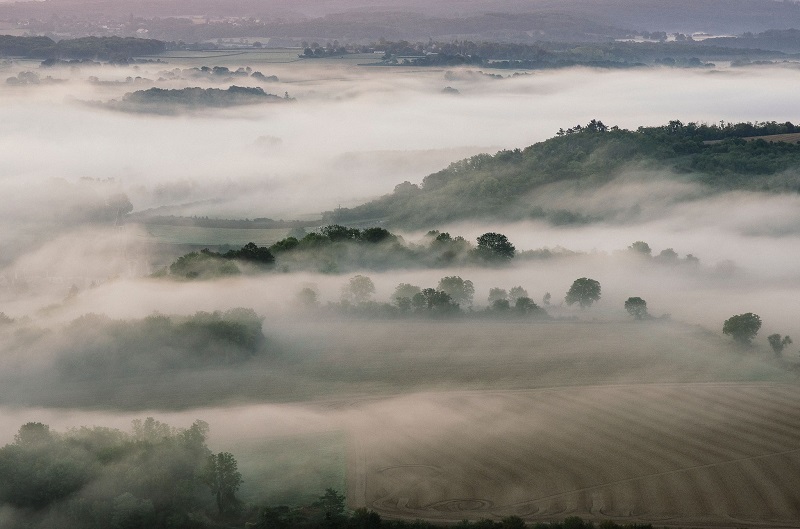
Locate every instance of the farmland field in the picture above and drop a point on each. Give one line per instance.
(668, 454)
(196, 235)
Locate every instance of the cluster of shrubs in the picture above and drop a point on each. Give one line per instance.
(206, 264)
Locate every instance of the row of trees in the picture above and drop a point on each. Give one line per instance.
(335, 246)
(453, 291)
(447, 298)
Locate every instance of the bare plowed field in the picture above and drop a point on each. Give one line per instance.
(682, 454)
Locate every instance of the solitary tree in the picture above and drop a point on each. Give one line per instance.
(307, 297)
(332, 505)
(223, 478)
(584, 291)
(777, 343)
(359, 289)
(640, 247)
(743, 327)
(636, 307)
(495, 246)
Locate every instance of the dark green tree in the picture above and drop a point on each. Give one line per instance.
(636, 307)
(742, 327)
(495, 246)
(778, 343)
(501, 305)
(223, 478)
(584, 291)
(336, 232)
(526, 306)
(641, 247)
(253, 253)
(435, 301)
(376, 235)
(285, 245)
(332, 505)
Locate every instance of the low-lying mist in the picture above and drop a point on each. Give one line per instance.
(78, 340)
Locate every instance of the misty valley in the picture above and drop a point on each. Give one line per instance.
(536, 269)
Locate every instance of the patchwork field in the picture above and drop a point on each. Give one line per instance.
(669, 454)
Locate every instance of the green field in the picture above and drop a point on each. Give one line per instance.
(194, 235)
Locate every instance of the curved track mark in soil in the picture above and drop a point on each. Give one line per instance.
(659, 474)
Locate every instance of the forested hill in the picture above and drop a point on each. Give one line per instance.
(503, 186)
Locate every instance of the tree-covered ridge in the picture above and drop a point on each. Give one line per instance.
(98, 48)
(499, 186)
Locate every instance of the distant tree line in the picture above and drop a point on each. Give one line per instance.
(98, 48)
(543, 55)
